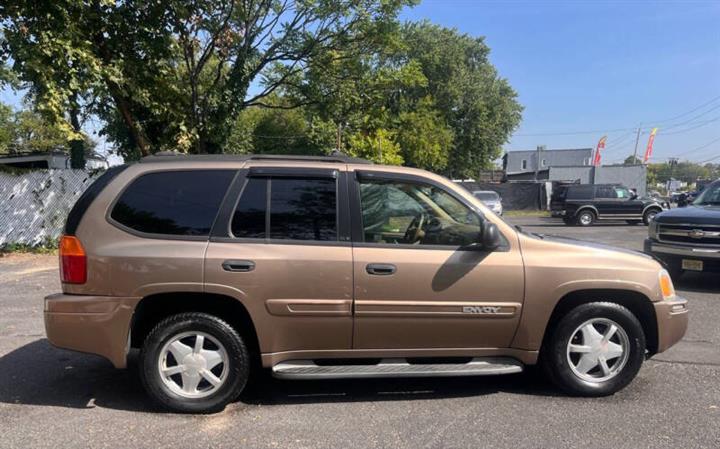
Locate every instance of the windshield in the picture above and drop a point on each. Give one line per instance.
(709, 196)
(486, 196)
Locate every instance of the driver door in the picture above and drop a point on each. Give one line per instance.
(628, 205)
(417, 283)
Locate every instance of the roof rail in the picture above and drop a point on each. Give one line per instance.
(174, 156)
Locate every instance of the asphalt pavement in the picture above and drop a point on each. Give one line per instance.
(56, 399)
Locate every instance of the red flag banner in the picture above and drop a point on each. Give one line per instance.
(600, 146)
(651, 140)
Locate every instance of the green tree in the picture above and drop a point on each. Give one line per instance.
(6, 128)
(378, 146)
(176, 74)
(478, 105)
(27, 131)
(632, 160)
(424, 138)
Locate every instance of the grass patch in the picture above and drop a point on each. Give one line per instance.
(49, 246)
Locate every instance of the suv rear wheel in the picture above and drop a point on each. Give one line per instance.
(586, 217)
(194, 362)
(595, 350)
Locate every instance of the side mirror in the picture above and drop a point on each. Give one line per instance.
(491, 238)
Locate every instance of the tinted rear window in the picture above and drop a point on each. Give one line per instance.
(300, 209)
(605, 192)
(579, 192)
(173, 202)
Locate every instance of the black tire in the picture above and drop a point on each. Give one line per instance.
(649, 215)
(585, 217)
(238, 361)
(633, 222)
(556, 361)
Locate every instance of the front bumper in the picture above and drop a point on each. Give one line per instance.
(672, 322)
(94, 324)
(672, 255)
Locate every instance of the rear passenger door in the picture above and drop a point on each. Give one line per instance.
(281, 245)
(606, 201)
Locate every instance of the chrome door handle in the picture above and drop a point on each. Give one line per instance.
(381, 269)
(238, 266)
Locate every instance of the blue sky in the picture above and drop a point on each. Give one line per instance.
(602, 65)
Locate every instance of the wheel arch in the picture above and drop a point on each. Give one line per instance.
(651, 207)
(153, 308)
(639, 304)
(586, 207)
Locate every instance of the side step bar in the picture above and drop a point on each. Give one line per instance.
(480, 366)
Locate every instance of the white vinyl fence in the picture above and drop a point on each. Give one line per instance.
(34, 205)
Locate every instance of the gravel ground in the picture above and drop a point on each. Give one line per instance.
(54, 398)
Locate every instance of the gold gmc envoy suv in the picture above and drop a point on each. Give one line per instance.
(332, 267)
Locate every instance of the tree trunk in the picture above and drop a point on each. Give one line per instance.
(124, 107)
(77, 146)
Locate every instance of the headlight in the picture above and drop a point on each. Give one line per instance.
(653, 230)
(666, 285)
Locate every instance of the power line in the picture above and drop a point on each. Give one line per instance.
(671, 126)
(699, 148)
(698, 125)
(710, 160)
(688, 112)
(692, 119)
(571, 133)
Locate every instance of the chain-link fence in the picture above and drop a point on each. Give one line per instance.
(34, 205)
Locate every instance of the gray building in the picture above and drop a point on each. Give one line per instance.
(519, 163)
(631, 176)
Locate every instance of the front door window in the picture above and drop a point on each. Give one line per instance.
(401, 212)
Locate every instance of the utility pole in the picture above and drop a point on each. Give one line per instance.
(637, 140)
(538, 158)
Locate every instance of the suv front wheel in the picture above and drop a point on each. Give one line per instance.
(595, 350)
(194, 362)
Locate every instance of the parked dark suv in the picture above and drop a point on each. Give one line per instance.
(584, 204)
(688, 238)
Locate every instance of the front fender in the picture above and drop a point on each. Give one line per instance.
(537, 311)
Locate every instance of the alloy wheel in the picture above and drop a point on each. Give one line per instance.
(193, 364)
(598, 350)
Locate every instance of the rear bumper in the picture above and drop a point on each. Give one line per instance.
(93, 324)
(672, 321)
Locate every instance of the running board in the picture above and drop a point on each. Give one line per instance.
(480, 366)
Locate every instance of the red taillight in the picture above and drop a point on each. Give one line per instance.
(73, 262)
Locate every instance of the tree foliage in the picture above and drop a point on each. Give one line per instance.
(26, 131)
(266, 76)
(685, 171)
(176, 74)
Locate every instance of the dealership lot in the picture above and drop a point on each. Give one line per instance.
(55, 398)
